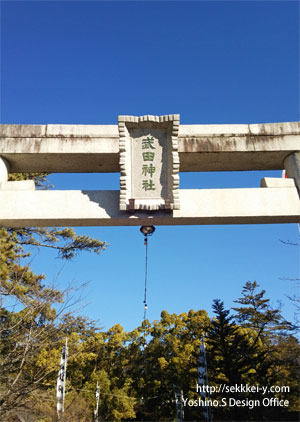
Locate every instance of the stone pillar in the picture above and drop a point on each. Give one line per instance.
(4, 169)
(292, 167)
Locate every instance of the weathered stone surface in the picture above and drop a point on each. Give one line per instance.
(148, 162)
(84, 148)
(101, 208)
(292, 166)
(267, 129)
(194, 131)
(84, 131)
(22, 131)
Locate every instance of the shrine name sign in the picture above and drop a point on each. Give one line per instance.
(149, 162)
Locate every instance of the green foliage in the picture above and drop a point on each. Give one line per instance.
(29, 322)
(256, 313)
(40, 179)
(234, 357)
(65, 241)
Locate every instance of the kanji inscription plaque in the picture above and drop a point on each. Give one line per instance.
(149, 162)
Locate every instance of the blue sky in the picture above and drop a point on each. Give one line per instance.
(65, 62)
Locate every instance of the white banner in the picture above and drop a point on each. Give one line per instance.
(61, 380)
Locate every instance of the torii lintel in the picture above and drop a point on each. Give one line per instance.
(149, 151)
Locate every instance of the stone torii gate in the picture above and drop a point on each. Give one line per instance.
(128, 148)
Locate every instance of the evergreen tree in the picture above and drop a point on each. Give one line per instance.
(230, 347)
(256, 312)
(233, 358)
(279, 364)
(28, 316)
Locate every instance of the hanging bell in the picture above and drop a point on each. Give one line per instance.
(147, 230)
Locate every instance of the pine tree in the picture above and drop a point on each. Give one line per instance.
(233, 358)
(279, 364)
(28, 315)
(256, 312)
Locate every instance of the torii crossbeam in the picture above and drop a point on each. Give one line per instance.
(79, 148)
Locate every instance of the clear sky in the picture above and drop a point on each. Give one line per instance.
(82, 62)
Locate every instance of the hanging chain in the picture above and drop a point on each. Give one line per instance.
(146, 275)
(147, 231)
